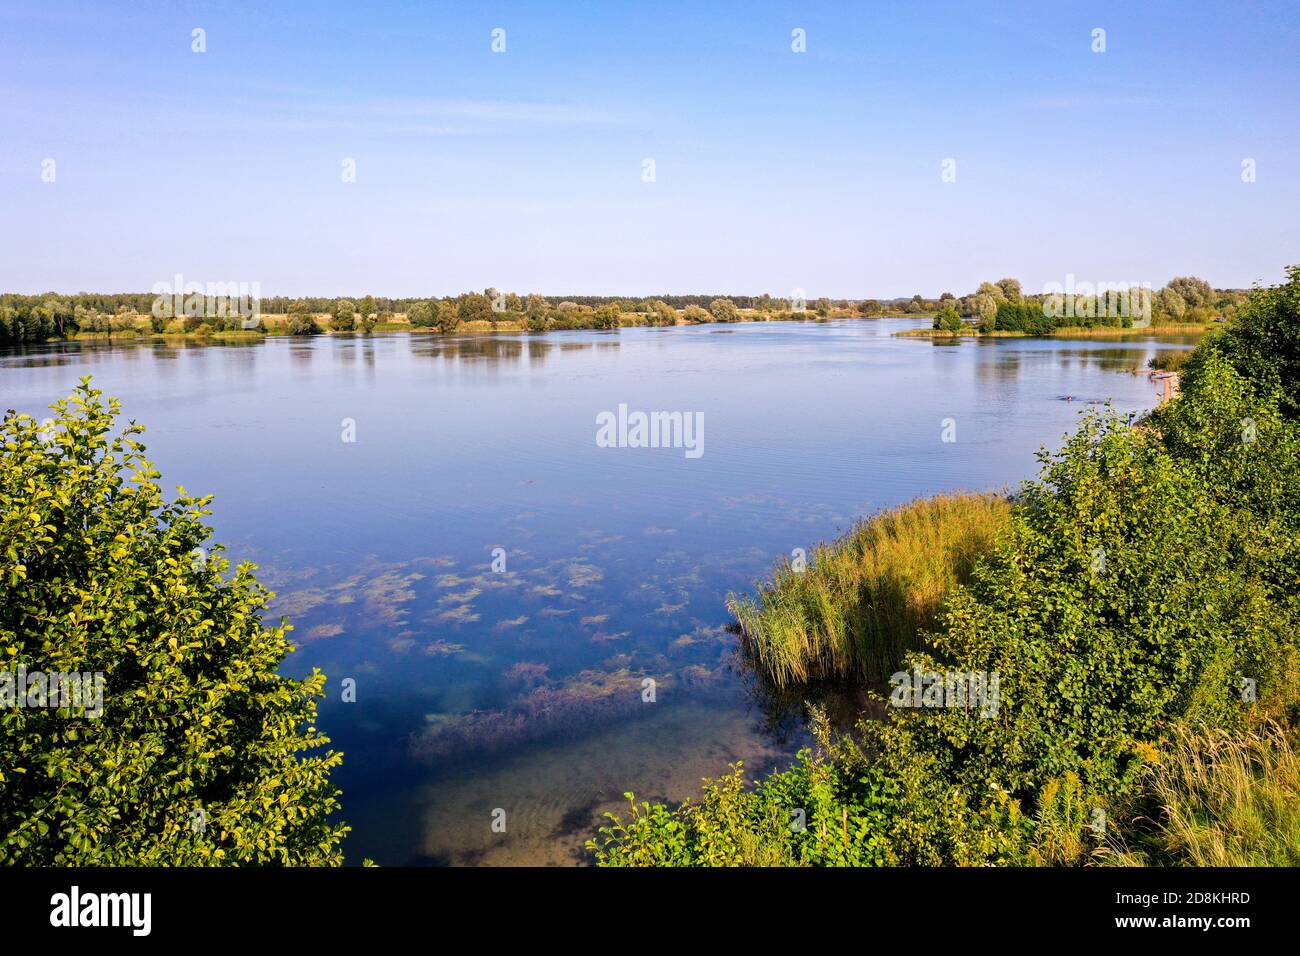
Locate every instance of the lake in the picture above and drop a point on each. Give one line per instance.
(535, 623)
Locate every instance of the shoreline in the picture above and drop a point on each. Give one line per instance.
(484, 328)
(1067, 332)
(477, 327)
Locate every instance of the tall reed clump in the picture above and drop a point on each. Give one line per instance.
(1170, 361)
(1224, 800)
(865, 599)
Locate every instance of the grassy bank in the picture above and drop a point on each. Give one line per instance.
(1138, 624)
(234, 335)
(865, 599)
(1220, 799)
(1103, 332)
(1065, 332)
(1169, 361)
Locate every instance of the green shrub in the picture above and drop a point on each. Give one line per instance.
(661, 313)
(301, 323)
(424, 315)
(607, 316)
(724, 310)
(447, 317)
(1262, 343)
(200, 753)
(810, 814)
(948, 319)
(1025, 317)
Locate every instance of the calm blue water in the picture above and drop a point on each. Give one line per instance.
(522, 689)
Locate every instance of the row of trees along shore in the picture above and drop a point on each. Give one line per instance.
(1003, 307)
(40, 318)
(995, 305)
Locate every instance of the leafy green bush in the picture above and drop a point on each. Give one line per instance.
(1025, 317)
(724, 310)
(344, 318)
(201, 752)
(1262, 343)
(812, 813)
(661, 313)
(948, 319)
(301, 323)
(447, 316)
(608, 316)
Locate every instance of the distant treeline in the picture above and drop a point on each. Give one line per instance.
(278, 305)
(994, 306)
(38, 318)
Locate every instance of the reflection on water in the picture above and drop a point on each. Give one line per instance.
(504, 591)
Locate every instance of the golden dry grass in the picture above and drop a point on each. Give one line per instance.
(865, 599)
(1226, 800)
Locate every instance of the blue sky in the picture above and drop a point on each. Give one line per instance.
(522, 170)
